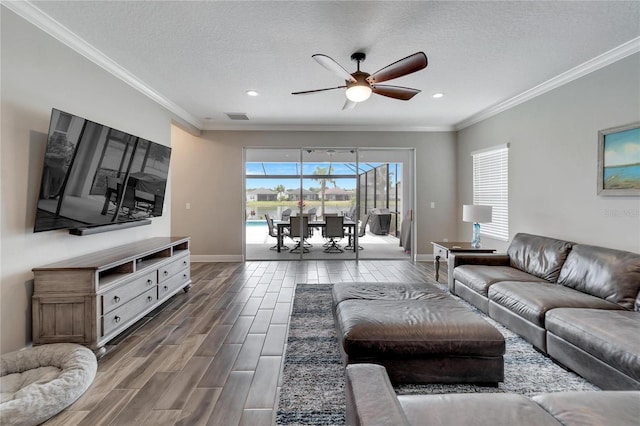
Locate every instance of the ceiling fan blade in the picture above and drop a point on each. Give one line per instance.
(395, 92)
(333, 66)
(404, 66)
(349, 105)
(307, 92)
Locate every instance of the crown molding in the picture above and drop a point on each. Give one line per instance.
(41, 20)
(55, 29)
(624, 50)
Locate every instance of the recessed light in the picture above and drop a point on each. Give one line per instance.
(438, 95)
(252, 93)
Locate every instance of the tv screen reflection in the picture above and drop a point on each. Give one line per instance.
(96, 175)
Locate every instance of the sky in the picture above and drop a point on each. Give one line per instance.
(295, 183)
(622, 148)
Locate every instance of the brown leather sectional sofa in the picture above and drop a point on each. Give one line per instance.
(371, 401)
(579, 304)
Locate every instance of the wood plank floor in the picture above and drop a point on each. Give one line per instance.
(214, 356)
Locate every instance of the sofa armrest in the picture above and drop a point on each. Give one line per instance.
(489, 259)
(371, 399)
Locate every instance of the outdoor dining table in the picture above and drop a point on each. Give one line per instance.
(282, 224)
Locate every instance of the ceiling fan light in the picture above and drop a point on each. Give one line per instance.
(358, 93)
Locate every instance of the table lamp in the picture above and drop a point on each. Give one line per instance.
(477, 215)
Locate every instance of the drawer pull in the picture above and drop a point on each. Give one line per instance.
(166, 288)
(149, 282)
(166, 273)
(149, 299)
(116, 299)
(116, 319)
(184, 276)
(184, 262)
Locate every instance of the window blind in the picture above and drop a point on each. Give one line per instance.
(491, 188)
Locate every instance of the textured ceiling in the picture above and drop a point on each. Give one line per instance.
(203, 56)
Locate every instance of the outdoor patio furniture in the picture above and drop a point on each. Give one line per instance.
(351, 213)
(299, 232)
(312, 214)
(324, 219)
(362, 230)
(380, 221)
(273, 233)
(334, 230)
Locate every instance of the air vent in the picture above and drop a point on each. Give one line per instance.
(237, 115)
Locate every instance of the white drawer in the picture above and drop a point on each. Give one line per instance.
(121, 316)
(176, 281)
(170, 269)
(127, 291)
(439, 251)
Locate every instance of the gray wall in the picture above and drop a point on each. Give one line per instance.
(208, 173)
(553, 156)
(39, 73)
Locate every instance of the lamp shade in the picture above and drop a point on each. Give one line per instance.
(476, 214)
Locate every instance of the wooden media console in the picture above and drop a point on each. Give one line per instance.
(91, 299)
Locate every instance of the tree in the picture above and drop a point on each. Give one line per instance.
(280, 189)
(322, 173)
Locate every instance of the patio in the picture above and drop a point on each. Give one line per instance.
(258, 242)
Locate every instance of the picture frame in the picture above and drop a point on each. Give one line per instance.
(619, 160)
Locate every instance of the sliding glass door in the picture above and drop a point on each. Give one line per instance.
(387, 201)
(329, 184)
(320, 203)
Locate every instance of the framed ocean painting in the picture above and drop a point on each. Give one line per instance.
(619, 160)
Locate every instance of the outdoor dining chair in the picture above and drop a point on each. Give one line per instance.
(334, 231)
(274, 233)
(299, 232)
(362, 230)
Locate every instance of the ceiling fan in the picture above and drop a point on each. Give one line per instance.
(360, 84)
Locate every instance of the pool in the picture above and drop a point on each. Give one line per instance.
(256, 223)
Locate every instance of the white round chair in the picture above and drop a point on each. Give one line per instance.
(39, 382)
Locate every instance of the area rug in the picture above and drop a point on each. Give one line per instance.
(313, 388)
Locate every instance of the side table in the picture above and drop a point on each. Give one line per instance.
(442, 250)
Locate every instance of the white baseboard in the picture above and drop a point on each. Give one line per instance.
(209, 258)
(427, 258)
(206, 258)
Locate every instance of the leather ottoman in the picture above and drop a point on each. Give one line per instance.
(419, 334)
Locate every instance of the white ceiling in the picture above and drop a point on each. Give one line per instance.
(199, 57)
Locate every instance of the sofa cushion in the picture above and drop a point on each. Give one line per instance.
(592, 408)
(611, 336)
(474, 409)
(531, 301)
(613, 275)
(480, 277)
(537, 255)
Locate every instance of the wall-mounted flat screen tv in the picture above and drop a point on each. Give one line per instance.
(94, 175)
